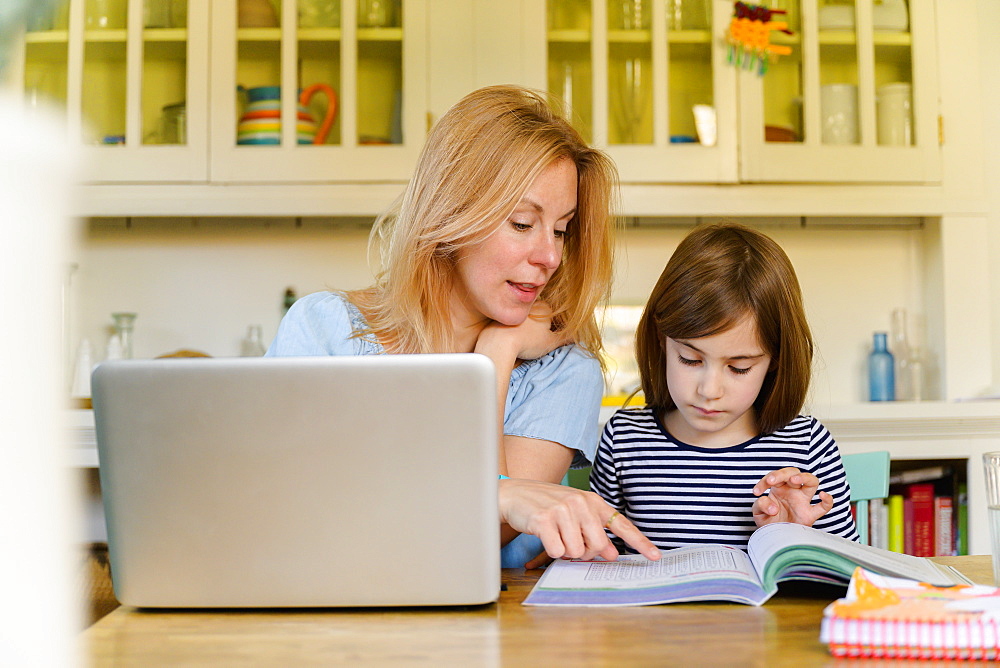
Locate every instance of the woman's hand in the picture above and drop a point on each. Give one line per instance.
(790, 498)
(527, 341)
(569, 521)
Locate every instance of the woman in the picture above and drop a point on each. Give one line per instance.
(501, 244)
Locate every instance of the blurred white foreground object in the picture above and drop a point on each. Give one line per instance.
(42, 599)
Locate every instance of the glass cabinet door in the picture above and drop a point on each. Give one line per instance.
(313, 90)
(121, 71)
(632, 73)
(854, 101)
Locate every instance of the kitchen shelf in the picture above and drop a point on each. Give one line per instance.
(108, 35)
(47, 37)
(690, 37)
(569, 36)
(258, 34)
(319, 34)
(846, 37)
(380, 34)
(879, 38)
(165, 35)
(630, 36)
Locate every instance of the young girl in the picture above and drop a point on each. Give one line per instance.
(725, 356)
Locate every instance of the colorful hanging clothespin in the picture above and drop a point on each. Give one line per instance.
(749, 36)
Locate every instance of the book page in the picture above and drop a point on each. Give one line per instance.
(630, 571)
(815, 550)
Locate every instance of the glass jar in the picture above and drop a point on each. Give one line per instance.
(124, 324)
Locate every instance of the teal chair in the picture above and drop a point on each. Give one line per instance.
(579, 478)
(868, 476)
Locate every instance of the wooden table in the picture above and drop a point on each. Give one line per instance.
(783, 632)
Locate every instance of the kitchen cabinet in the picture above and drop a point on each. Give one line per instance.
(373, 61)
(632, 71)
(152, 88)
(630, 76)
(116, 78)
(157, 100)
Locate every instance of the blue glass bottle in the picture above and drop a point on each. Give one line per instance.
(881, 377)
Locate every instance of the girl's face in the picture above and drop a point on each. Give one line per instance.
(500, 278)
(714, 381)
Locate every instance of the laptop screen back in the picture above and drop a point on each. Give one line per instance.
(277, 482)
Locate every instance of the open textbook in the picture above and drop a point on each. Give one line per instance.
(777, 552)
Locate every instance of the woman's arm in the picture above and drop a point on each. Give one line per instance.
(569, 522)
(506, 346)
(552, 415)
(533, 459)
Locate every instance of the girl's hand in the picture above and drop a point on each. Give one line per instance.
(527, 341)
(790, 498)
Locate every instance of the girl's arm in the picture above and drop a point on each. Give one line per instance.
(550, 411)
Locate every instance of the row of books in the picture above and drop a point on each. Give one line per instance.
(925, 514)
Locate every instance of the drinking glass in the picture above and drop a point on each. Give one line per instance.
(104, 14)
(566, 95)
(687, 15)
(124, 324)
(630, 14)
(375, 14)
(319, 14)
(991, 470)
(632, 98)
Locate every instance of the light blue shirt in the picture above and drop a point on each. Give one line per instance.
(556, 397)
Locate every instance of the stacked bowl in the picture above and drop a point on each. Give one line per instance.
(261, 120)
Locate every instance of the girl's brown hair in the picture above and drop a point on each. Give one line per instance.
(479, 160)
(719, 275)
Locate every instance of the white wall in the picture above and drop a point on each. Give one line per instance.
(201, 286)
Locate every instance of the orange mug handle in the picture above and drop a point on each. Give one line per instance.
(331, 108)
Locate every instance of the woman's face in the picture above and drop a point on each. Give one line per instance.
(501, 277)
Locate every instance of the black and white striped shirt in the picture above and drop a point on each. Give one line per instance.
(679, 494)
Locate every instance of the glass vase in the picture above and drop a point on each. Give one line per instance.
(881, 370)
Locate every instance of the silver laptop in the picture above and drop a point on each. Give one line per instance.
(300, 481)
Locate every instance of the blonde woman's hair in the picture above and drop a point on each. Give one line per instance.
(719, 275)
(479, 160)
